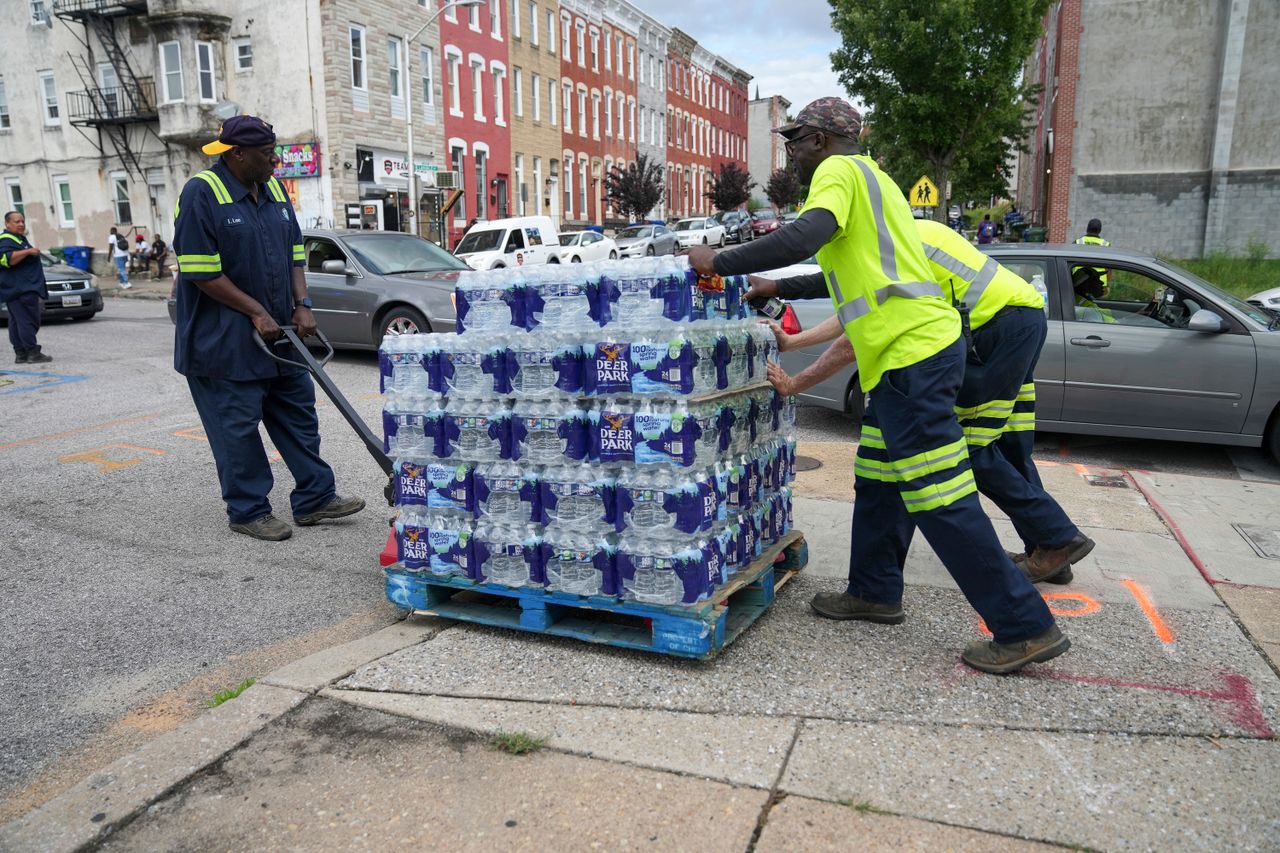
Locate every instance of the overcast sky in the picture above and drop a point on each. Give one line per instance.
(785, 45)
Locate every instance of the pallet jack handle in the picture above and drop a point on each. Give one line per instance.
(315, 367)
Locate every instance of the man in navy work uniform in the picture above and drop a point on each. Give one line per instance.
(22, 289)
(913, 464)
(239, 252)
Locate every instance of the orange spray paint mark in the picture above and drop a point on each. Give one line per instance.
(97, 456)
(1087, 605)
(1163, 632)
(1080, 469)
(191, 432)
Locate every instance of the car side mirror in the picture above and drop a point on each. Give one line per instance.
(334, 267)
(1205, 320)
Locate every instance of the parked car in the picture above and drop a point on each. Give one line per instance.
(737, 224)
(1168, 356)
(763, 221)
(511, 242)
(787, 217)
(369, 284)
(699, 231)
(1266, 299)
(636, 240)
(71, 292)
(579, 246)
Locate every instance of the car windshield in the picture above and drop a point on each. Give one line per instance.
(387, 254)
(570, 238)
(688, 224)
(480, 241)
(634, 233)
(1253, 312)
(763, 214)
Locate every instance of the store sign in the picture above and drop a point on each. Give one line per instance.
(391, 168)
(298, 160)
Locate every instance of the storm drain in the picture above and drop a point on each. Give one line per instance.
(1108, 480)
(1261, 539)
(807, 463)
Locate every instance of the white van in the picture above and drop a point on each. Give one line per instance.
(512, 242)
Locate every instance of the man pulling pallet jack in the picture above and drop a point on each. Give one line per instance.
(908, 341)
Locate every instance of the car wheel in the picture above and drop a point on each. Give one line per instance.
(402, 320)
(577, 260)
(855, 401)
(650, 251)
(721, 239)
(613, 256)
(498, 267)
(553, 260)
(704, 241)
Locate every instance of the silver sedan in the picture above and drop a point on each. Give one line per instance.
(1163, 354)
(638, 240)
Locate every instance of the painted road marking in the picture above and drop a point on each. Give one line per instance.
(199, 434)
(56, 379)
(96, 456)
(1163, 632)
(79, 431)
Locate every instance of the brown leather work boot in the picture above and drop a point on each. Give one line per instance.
(842, 605)
(1054, 565)
(339, 507)
(268, 528)
(1001, 658)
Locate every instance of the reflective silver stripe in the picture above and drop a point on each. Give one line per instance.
(908, 290)
(888, 252)
(977, 279)
(852, 310)
(835, 287)
(979, 285)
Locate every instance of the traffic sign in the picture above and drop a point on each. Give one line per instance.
(924, 193)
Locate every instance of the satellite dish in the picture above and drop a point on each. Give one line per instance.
(225, 110)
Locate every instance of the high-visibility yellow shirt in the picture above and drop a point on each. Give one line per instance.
(969, 276)
(892, 310)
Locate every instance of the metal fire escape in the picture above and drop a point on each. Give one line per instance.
(124, 113)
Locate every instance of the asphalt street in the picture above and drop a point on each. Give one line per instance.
(125, 603)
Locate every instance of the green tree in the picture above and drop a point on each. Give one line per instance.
(783, 188)
(636, 189)
(729, 188)
(942, 80)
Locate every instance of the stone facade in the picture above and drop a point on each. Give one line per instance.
(651, 96)
(766, 152)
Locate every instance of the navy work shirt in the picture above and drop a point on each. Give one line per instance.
(220, 230)
(19, 277)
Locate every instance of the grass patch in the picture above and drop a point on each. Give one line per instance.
(227, 695)
(863, 807)
(1239, 276)
(516, 743)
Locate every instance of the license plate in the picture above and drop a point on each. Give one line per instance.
(71, 301)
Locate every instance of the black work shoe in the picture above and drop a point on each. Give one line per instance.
(336, 508)
(20, 358)
(1000, 658)
(268, 528)
(36, 357)
(1054, 565)
(842, 605)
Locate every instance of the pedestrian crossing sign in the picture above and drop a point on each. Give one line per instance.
(924, 193)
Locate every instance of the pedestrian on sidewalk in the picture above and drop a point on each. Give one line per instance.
(239, 252)
(119, 248)
(22, 289)
(911, 354)
(159, 251)
(996, 403)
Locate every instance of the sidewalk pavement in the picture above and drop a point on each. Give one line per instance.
(1157, 729)
(143, 286)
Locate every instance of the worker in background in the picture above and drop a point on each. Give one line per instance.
(1093, 237)
(908, 342)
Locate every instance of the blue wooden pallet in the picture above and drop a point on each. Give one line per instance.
(698, 630)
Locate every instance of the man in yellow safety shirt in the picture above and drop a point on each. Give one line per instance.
(911, 355)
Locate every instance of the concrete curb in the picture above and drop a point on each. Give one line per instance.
(113, 795)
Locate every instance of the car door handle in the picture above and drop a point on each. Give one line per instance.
(1091, 341)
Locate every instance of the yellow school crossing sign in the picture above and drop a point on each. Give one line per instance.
(924, 193)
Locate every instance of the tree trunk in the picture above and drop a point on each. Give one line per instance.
(942, 171)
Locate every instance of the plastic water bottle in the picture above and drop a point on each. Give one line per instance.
(462, 365)
(738, 370)
(405, 421)
(486, 299)
(1037, 281)
(662, 360)
(704, 339)
(412, 550)
(536, 427)
(451, 487)
(506, 493)
(531, 367)
(581, 496)
(611, 425)
(647, 497)
(573, 560)
(564, 293)
(507, 554)
(649, 565)
(449, 540)
(481, 429)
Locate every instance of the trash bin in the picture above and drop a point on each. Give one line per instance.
(1035, 234)
(78, 256)
(59, 253)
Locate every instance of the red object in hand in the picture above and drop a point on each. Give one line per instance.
(711, 283)
(389, 553)
(790, 322)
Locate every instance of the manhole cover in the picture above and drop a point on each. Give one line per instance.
(807, 463)
(1266, 542)
(1107, 480)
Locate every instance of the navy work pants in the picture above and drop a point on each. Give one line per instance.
(993, 408)
(24, 321)
(913, 470)
(231, 411)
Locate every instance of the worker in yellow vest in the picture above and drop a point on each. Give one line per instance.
(996, 403)
(1093, 237)
(911, 354)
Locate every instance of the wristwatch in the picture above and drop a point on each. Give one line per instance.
(305, 302)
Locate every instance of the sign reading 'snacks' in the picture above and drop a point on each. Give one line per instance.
(298, 160)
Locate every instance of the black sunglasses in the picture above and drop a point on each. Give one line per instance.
(791, 143)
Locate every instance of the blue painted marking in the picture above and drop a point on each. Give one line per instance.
(57, 379)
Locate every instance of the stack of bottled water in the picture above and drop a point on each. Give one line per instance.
(593, 429)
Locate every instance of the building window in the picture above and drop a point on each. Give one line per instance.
(427, 57)
(582, 188)
(582, 43)
(4, 107)
(481, 184)
(477, 90)
(631, 62)
(620, 108)
(39, 14)
(450, 14)
(171, 71)
(517, 92)
(495, 18)
(393, 67)
(515, 19)
(49, 91)
(473, 18)
(356, 37)
(535, 87)
(595, 50)
(120, 198)
(62, 188)
(568, 190)
(499, 91)
(522, 190)
(568, 112)
(204, 72)
(595, 116)
(14, 190)
(608, 114)
(533, 22)
(455, 70)
(537, 185)
(243, 49)
(582, 112)
(551, 102)
(632, 135)
(608, 50)
(551, 33)
(618, 42)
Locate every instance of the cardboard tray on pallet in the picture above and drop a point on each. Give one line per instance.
(698, 630)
